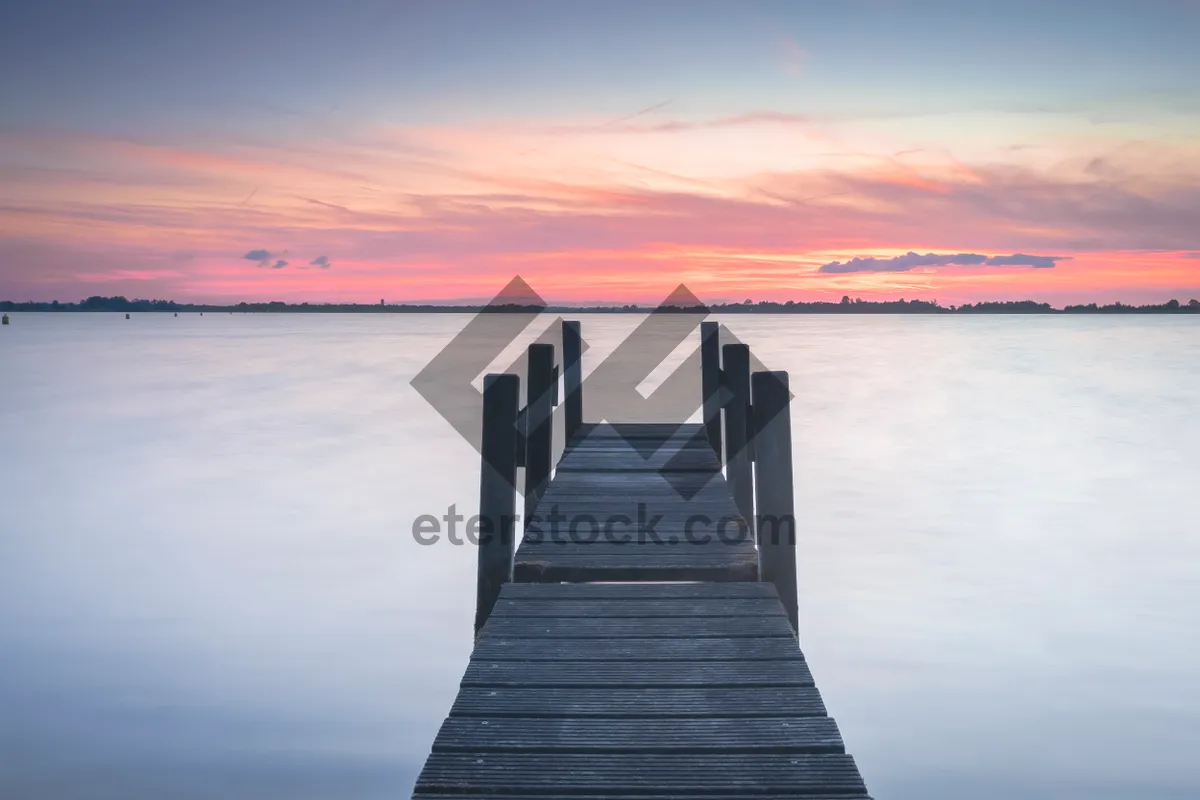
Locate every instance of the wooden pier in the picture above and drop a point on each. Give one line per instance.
(641, 642)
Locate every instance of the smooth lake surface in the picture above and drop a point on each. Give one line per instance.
(209, 586)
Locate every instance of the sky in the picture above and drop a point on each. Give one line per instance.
(306, 150)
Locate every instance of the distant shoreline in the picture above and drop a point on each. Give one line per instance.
(846, 306)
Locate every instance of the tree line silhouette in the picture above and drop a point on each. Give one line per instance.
(846, 306)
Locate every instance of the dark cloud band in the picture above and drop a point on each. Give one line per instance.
(912, 260)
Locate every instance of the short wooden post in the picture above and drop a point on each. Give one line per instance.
(773, 489)
(710, 381)
(572, 378)
(497, 491)
(539, 422)
(735, 373)
(5, 319)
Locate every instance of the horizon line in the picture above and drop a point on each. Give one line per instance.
(116, 303)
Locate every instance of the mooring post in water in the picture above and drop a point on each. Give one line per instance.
(497, 490)
(127, 315)
(710, 381)
(773, 489)
(5, 319)
(572, 378)
(735, 373)
(539, 422)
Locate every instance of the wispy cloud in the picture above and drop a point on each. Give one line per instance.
(911, 260)
(320, 261)
(715, 123)
(280, 264)
(612, 124)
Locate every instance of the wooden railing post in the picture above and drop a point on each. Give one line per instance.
(710, 382)
(497, 490)
(572, 378)
(539, 422)
(776, 518)
(735, 374)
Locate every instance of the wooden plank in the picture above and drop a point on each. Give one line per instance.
(592, 735)
(639, 627)
(635, 591)
(597, 481)
(500, 647)
(659, 532)
(580, 569)
(644, 446)
(670, 536)
(699, 530)
(676, 441)
(644, 449)
(441, 795)
(666, 546)
(679, 487)
(699, 457)
(684, 490)
(636, 674)
(622, 496)
(648, 481)
(564, 516)
(677, 554)
(641, 439)
(741, 701)
(675, 459)
(628, 607)
(638, 482)
(601, 773)
(640, 430)
(629, 466)
(635, 507)
(689, 458)
(684, 499)
(582, 522)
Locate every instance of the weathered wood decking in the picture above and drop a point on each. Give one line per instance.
(634, 663)
(623, 517)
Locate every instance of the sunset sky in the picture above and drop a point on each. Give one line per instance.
(431, 150)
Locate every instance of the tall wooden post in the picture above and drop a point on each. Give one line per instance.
(572, 378)
(710, 381)
(497, 491)
(736, 378)
(539, 422)
(773, 488)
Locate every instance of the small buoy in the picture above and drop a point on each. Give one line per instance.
(5, 319)
(127, 316)
(177, 313)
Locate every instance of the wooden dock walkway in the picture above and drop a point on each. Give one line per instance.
(641, 642)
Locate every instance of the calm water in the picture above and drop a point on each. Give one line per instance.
(209, 588)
